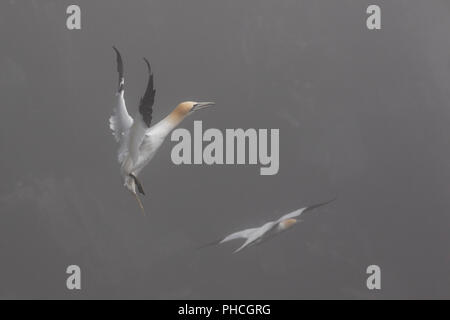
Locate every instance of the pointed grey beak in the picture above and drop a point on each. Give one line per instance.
(202, 105)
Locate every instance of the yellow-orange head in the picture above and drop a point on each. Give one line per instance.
(187, 107)
(288, 223)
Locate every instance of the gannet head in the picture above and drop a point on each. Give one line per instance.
(288, 223)
(187, 107)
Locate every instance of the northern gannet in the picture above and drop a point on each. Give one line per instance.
(255, 236)
(138, 142)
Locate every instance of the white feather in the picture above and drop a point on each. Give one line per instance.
(239, 235)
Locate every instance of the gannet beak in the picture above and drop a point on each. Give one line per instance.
(201, 105)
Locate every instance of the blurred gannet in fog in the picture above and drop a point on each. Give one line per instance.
(255, 236)
(138, 142)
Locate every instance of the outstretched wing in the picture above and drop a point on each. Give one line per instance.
(256, 235)
(244, 234)
(120, 122)
(139, 128)
(298, 212)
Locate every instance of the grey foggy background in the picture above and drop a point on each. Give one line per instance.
(363, 115)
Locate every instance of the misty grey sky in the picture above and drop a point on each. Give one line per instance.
(363, 115)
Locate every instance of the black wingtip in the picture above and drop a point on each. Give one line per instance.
(147, 101)
(211, 244)
(148, 65)
(119, 68)
(314, 206)
(118, 55)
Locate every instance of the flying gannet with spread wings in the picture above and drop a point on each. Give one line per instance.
(257, 235)
(138, 141)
